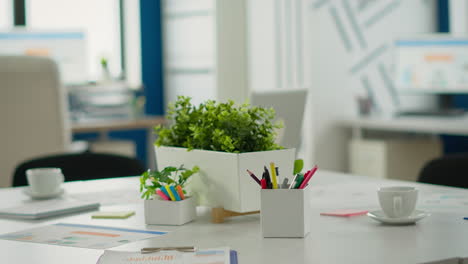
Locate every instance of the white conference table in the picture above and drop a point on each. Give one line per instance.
(357, 239)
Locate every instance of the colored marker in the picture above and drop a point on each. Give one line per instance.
(306, 175)
(278, 177)
(263, 183)
(160, 193)
(284, 185)
(309, 176)
(267, 177)
(465, 218)
(168, 189)
(180, 192)
(305, 181)
(165, 192)
(254, 177)
(293, 182)
(314, 169)
(173, 190)
(273, 175)
(299, 180)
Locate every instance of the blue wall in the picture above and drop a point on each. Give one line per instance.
(152, 56)
(452, 144)
(443, 24)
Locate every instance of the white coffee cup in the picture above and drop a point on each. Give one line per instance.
(45, 181)
(398, 201)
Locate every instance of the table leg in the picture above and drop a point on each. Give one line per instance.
(357, 132)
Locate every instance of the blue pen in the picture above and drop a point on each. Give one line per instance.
(465, 218)
(173, 190)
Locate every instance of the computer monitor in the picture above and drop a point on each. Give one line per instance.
(434, 64)
(67, 48)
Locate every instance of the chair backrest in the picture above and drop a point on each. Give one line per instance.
(82, 166)
(32, 111)
(289, 106)
(451, 170)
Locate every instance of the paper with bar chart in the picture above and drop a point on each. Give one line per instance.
(83, 236)
(432, 65)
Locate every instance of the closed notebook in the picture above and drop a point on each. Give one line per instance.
(47, 208)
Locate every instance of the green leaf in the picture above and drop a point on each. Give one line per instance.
(167, 176)
(218, 126)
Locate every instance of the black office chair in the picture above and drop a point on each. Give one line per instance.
(82, 166)
(450, 170)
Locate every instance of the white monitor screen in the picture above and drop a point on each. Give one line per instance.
(68, 49)
(432, 65)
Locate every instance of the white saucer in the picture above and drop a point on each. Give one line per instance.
(34, 195)
(413, 218)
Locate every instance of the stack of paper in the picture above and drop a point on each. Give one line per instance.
(216, 255)
(82, 236)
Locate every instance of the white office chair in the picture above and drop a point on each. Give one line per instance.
(33, 112)
(289, 106)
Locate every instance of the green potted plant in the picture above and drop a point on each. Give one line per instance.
(224, 140)
(166, 199)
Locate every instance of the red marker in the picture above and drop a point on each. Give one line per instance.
(308, 177)
(158, 191)
(263, 183)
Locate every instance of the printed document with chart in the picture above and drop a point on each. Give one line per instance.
(82, 236)
(217, 255)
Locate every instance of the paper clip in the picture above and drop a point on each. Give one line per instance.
(158, 249)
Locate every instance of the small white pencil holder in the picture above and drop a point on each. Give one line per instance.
(285, 212)
(162, 212)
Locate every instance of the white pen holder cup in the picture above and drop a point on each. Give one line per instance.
(162, 212)
(285, 212)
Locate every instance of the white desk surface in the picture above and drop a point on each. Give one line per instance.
(357, 239)
(432, 125)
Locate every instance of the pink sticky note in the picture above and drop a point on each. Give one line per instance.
(345, 212)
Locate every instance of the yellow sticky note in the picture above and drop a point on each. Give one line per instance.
(113, 215)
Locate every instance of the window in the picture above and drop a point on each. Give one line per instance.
(99, 20)
(6, 11)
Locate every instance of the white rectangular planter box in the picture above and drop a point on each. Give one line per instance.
(223, 180)
(162, 212)
(285, 213)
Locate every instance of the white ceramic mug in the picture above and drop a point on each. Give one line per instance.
(398, 201)
(45, 181)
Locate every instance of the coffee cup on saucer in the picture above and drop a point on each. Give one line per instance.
(44, 182)
(398, 201)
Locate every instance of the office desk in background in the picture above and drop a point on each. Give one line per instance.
(104, 126)
(457, 125)
(357, 239)
(398, 147)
